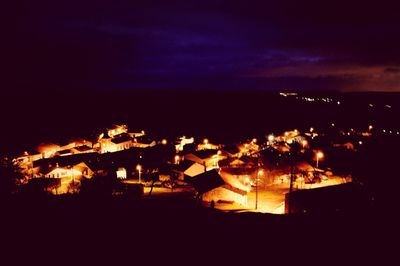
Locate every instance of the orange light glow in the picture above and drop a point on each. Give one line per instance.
(271, 138)
(177, 158)
(304, 143)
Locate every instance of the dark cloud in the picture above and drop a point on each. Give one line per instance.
(197, 44)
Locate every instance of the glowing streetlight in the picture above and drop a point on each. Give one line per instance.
(304, 143)
(271, 138)
(370, 127)
(205, 141)
(319, 156)
(177, 159)
(139, 168)
(164, 142)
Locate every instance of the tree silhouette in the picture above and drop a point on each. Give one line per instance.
(10, 176)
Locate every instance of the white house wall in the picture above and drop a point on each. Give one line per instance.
(221, 193)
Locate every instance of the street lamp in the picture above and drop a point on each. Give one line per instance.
(139, 168)
(177, 159)
(271, 139)
(319, 156)
(304, 143)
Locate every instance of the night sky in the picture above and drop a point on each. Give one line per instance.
(191, 45)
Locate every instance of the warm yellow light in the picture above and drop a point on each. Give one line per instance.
(254, 140)
(286, 134)
(320, 155)
(260, 172)
(205, 141)
(219, 152)
(177, 159)
(271, 138)
(304, 143)
(139, 167)
(370, 127)
(164, 141)
(311, 129)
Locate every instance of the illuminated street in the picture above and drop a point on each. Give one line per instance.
(271, 199)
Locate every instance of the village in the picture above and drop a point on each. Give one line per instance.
(253, 175)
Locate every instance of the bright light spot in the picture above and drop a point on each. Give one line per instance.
(311, 129)
(254, 140)
(338, 103)
(360, 142)
(271, 138)
(205, 141)
(370, 127)
(139, 167)
(164, 141)
(260, 172)
(333, 124)
(384, 130)
(121, 173)
(177, 158)
(320, 155)
(304, 143)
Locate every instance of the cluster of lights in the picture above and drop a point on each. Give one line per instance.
(310, 99)
(286, 94)
(391, 131)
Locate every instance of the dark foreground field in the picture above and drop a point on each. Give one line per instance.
(130, 230)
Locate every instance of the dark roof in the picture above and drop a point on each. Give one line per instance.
(45, 169)
(184, 165)
(121, 139)
(231, 148)
(203, 154)
(248, 160)
(82, 148)
(144, 139)
(64, 151)
(207, 181)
